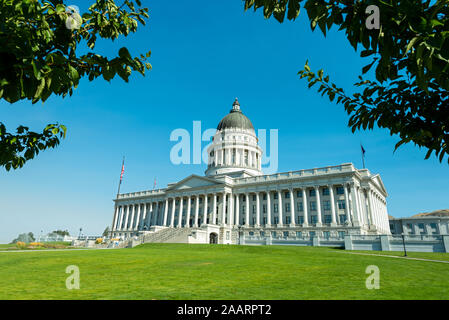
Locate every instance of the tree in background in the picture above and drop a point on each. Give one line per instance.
(24, 237)
(410, 51)
(61, 233)
(42, 53)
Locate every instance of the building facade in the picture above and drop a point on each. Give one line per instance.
(424, 225)
(235, 198)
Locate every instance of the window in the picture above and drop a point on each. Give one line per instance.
(264, 220)
(300, 208)
(276, 220)
(342, 218)
(325, 191)
(312, 205)
(421, 225)
(254, 197)
(264, 208)
(275, 208)
(285, 234)
(228, 234)
(273, 233)
(251, 233)
(314, 218)
(287, 195)
(201, 200)
(243, 209)
(312, 192)
(340, 190)
(341, 234)
(312, 234)
(326, 205)
(254, 208)
(326, 234)
(299, 194)
(327, 218)
(301, 219)
(264, 196)
(341, 204)
(287, 220)
(262, 233)
(287, 207)
(299, 234)
(275, 195)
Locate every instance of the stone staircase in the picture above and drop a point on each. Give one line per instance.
(167, 235)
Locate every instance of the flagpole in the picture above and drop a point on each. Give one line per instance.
(363, 155)
(121, 172)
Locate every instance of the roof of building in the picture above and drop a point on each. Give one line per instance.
(436, 213)
(235, 119)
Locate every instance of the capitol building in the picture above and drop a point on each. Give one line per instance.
(234, 200)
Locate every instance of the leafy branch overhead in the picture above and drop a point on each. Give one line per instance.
(40, 56)
(410, 52)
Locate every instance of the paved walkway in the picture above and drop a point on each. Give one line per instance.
(389, 256)
(53, 250)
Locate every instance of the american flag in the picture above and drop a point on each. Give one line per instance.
(123, 170)
(154, 185)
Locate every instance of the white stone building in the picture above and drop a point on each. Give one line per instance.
(235, 198)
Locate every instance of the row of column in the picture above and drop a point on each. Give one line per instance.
(242, 157)
(354, 209)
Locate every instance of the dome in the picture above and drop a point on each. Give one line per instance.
(235, 119)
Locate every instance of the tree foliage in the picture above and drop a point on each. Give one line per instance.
(410, 52)
(46, 47)
(24, 237)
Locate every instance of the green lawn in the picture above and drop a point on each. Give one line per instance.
(180, 271)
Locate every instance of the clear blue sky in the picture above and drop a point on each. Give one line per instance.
(203, 55)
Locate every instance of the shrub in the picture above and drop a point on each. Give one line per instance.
(36, 244)
(99, 240)
(21, 244)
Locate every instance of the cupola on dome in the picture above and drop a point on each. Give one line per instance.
(235, 119)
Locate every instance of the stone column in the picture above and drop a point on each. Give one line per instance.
(172, 217)
(214, 210)
(138, 216)
(362, 206)
(189, 208)
(292, 208)
(318, 205)
(281, 220)
(370, 206)
(231, 210)
(247, 210)
(197, 208)
(122, 213)
(268, 209)
(180, 212)
(150, 215)
(125, 226)
(237, 210)
(165, 213)
(205, 210)
(257, 210)
(347, 211)
(355, 203)
(305, 207)
(114, 220)
(132, 217)
(223, 211)
(332, 200)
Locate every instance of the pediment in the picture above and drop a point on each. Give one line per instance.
(193, 181)
(378, 181)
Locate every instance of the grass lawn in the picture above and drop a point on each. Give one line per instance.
(181, 271)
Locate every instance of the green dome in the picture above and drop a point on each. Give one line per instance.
(235, 119)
